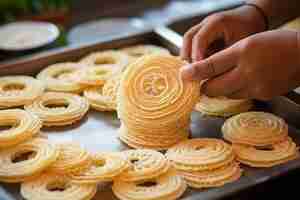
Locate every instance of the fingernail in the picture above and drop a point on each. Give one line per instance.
(188, 72)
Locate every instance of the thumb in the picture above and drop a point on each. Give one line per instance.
(212, 66)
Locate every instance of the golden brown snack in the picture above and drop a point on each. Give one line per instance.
(200, 154)
(154, 103)
(26, 160)
(144, 165)
(59, 77)
(19, 90)
(268, 156)
(59, 109)
(222, 106)
(71, 158)
(138, 51)
(116, 60)
(50, 186)
(168, 186)
(104, 167)
(255, 128)
(24, 125)
(213, 178)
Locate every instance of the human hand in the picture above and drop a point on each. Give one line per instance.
(260, 67)
(227, 27)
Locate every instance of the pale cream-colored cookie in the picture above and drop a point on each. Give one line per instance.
(58, 109)
(51, 186)
(24, 125)
(19, 90)
(168, 186)
(59, 77)
(200, 154)
(26, 160)
(144, 164)
(268, 156)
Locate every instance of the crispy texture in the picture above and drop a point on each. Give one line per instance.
(104, 167)
(44, 187)
(43, 155)
(19, 90)
(59, 77)
(25, 125)
(168, 186)
(200, 154)
(153, 102)
(255, 128)
(222, 106)
(76, 108)
(144, 165)
(272, 155)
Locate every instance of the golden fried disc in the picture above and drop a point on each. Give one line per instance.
(213, 178)
(104, 167)
(115, 60)
(50, 186)
(19, 90)
(103, 98)
(200, 154)
(255, 128)
(153, 100)
(94, 76)
(144, 164)
(168, 186)
(71, 158)
(26, 160)
(222, 106)
(141, 50)
(24, 125)
(58, 109)
(59, 77)
(268, 156)
(155, 142)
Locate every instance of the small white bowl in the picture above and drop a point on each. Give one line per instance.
(26, 35)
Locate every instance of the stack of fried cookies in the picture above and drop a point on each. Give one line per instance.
(205, 162)
(260, 139)
(154, 103)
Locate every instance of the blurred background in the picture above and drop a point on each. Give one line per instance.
(88, 20)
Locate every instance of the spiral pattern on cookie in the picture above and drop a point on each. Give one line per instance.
(19, 90)
(116, 60)
(51, 186)
(267, 156)
(58, 109)
(41, 152)
(153, 100)
(144, 164)
(200, 154)
(255, 128)
(104, 167)
(213, 178)
(168, 186)
(71, 158)
(222, 106)
(24, 126)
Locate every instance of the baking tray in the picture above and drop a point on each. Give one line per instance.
(97, 131)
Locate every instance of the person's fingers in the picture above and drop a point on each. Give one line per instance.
(202, 40)
(225, 84)
(213, 66)
(240, 94)
(186, 49)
